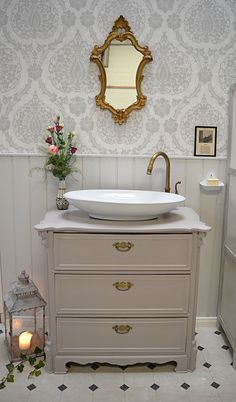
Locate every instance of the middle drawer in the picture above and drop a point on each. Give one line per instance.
(122, 295)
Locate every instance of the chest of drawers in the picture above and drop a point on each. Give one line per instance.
(121, 298)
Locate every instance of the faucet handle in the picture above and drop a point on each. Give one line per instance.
(176, 185)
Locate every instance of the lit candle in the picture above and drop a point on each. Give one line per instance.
(25, 340)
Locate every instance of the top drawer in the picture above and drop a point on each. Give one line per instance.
(124, 252)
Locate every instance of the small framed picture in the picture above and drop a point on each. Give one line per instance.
(205, 141)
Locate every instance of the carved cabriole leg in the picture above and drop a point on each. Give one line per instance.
(191, 347)
(218, 325)
(182, 364)
(60, 364)
(193, 356)
(48, 355)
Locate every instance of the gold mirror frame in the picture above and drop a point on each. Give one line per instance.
(120, 32)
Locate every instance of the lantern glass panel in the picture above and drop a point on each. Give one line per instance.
(25, 331)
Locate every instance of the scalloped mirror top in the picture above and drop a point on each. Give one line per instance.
(121, 61)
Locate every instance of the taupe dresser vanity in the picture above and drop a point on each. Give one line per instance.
(122, 292)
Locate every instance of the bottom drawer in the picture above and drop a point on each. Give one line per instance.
(123, 336)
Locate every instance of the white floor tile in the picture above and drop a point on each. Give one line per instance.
(168, 380)
(217, 356)
(14, 392)
(46, 394)
(109, 394)
(54, 380)
(227, 393)
(203, 394)
(140, 394)
(200, 376)
(172, 395)
(223, 374)
(76, 394)
(107, 378)
(79, 379)
(138, 379)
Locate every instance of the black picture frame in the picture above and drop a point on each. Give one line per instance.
(205, 141)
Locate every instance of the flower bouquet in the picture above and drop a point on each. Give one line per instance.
(60, 157)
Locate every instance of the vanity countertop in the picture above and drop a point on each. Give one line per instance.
(181, 219)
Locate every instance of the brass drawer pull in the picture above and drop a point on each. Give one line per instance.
(122, 329)
(123, 285)
(123, 245)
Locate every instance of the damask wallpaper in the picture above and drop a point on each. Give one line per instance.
(45, 70)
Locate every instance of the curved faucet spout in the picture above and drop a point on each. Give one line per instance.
(167, 161)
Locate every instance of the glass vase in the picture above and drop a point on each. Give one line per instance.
(61, 202)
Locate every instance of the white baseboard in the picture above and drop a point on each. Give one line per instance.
(206, 321)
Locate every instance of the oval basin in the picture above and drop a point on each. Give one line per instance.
(124, 205)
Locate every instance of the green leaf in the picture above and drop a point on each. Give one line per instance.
(20, 368)
(10, 378)
(37, 350)
(23, 356)
(10, 367)
(39, 364)
(37, 373)
(32, 360)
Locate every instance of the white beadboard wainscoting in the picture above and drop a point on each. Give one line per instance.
(26, 196)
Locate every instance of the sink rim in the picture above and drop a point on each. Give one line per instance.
(124, 209)
(165, 198)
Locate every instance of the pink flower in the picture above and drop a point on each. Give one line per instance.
(53, 149)
(73, 150)
(48, 140)
(59, 127)
(51, 129)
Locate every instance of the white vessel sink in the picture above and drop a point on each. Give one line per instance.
(124, 205)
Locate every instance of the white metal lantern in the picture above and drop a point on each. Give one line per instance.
(24, 312)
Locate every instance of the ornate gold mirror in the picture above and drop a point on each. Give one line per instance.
(121, 61)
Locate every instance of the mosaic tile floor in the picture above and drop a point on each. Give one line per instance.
(214, 379)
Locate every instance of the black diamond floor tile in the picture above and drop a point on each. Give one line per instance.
(93, 387)
(1, 331)
(225, 347)
(217, 332)
(200, 348)
(155, 387)
(207, 365)
(196, 333)
(124, 387)
(123, 367)
(62, 387)
(185, 386)
(151, 366)
(95, 366)
(31, 387)
(215, 384)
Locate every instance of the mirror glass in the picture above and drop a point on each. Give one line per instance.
(121, 61)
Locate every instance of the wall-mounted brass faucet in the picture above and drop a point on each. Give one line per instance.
(151, 163)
